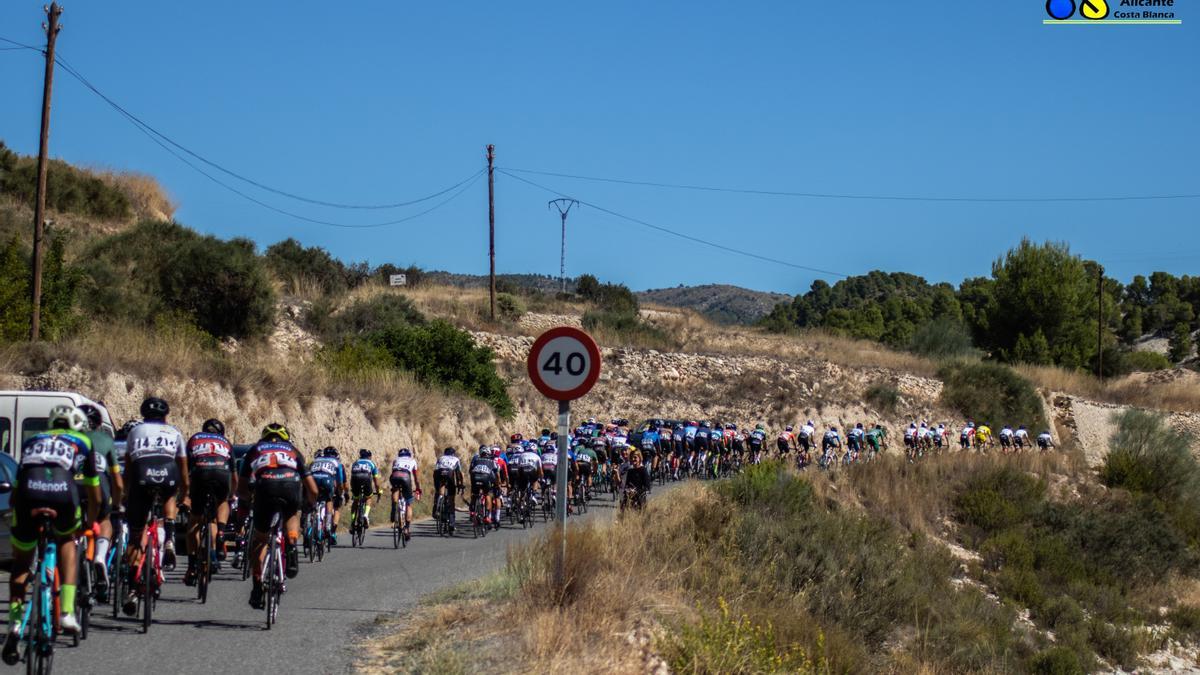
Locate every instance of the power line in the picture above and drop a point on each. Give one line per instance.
(866, 197)
(319, 202)
(675, 233)
(461, 186)
(20, 45)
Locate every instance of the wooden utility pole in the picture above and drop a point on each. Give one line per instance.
(39, 209)
(1100, 322)
(491, 159)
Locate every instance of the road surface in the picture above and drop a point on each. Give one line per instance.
(326, 611)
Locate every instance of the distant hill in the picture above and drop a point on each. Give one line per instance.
(504, 282)
(719, 302)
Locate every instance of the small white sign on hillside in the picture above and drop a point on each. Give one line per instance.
(398, 280)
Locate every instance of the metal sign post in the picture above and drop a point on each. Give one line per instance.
(564, 364)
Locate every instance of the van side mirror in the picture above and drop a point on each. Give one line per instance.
(5, 487)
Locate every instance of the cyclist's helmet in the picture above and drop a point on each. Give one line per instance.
(276, 431)
(515, 438)
(1021, 427)
(731, 426)
(329, 451)
(789, 428)
(760, 427)
(545, 432)
(833, 429)
(213, 426)
(364, 453)
(591, 420)
(450, 451)
(154, 408)
(554, 435)
(404, 452)
(93, 415)
(485, 452)
(123, 433)
(67, 417)
(858, 426)
(704, 424)
(812, 423)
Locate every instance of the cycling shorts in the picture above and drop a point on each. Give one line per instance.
(53, 488)
(550, 473)
(826, 444)
(402, 481)
(148, 481)
(854, 443)
(325, 486)
(484, 485)
(105, 498)
(585, 469)
(783, 445)
(205, 482)
(362, 486)
(524, 478)
(444, 477)
(274, 496)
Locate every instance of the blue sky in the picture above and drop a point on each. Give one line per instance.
(379, 102)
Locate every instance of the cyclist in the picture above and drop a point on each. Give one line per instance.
(405, 482)
(939, 436)
(527, 468)
(364, 481)
(831, 441)
(549, 457)
(448, 480)
(1045, 441)
(276, 470)
(502, 482)
(341, 495)
(757, 441)
(1006, 438)
(45, 479)
(854, 441)
(1021, 438)
(210, 464)
(330, 478)
(983, 436)
(966, 438)
(485, 483)
(112, 491)
(156, 463)
(650, 442)
(807, 438)
(911, 439)
(875, 439)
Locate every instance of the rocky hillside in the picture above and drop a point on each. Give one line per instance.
(719, 302)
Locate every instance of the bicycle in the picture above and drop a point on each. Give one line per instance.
(149, 570)
(400, 524)
(85, 584)
(443, 512)
(118, 568)
(478, 527)
(272, 574)
(579, 497)
(315, 532)
(205, 554)
(358, 521)
(41, 612)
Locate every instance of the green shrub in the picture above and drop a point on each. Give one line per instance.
(509, 307)
(1147, 456)
(1186, 621)
(610, 298)
(884, 397)
(1115, 643)
(68, 189)
(944, 338)
(367, 317)
(60, 288)
(1146, 361)
(724, 643)
(156, 267)
(1057, 661)
(991, 393)
(999, 499)
(297, 264)
(626, 329)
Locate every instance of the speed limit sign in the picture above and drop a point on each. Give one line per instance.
(564, 363)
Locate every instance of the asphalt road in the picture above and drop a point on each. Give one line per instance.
(328, 608)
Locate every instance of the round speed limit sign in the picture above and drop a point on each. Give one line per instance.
(564, 363)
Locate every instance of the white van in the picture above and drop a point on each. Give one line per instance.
(24, 413)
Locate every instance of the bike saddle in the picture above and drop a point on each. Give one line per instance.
(45, 512)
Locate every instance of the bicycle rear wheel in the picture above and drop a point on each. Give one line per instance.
(149, 573)
(84, 594)
(205, 562)
(268, 581)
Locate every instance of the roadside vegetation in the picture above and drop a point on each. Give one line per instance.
(1058, 569)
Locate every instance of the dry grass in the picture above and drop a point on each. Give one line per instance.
(176, 352)
(147, 198)
(1131, 390)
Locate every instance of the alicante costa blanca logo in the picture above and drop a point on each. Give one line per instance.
(1099, 12)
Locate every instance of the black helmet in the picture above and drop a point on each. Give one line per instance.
(364, 453)
(213, 426)
(123, 432)
(154, 408)
(94, 417)
(329, 451)
(450, 451)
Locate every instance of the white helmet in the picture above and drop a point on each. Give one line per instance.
(67, 417)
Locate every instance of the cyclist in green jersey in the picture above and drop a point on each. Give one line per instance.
(112, 488)
(875, 438)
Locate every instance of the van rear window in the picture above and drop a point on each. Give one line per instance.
(6, 435)
(31, 426)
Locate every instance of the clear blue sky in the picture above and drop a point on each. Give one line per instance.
(384, 101)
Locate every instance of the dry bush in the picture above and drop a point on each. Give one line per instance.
(147, 198)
